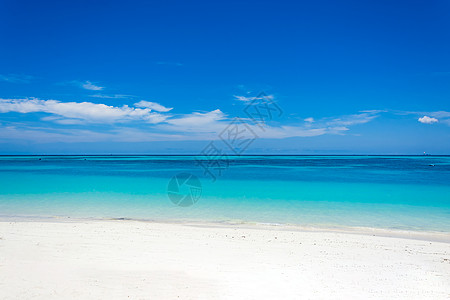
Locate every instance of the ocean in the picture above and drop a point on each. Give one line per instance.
(392, 192)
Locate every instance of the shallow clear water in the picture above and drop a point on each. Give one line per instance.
(404, 192)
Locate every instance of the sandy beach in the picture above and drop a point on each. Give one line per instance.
(109, 259)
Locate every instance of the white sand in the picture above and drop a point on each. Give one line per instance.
(139, 260)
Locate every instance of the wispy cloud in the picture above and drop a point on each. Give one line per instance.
(322, 126)
(115, 96)
(87, 85)
(16, 78)
(74, 135)
(50, 135)
(374, 111)
(349, 120)
(249, 99)
(440, 114)
(152, 105)
(210, 124)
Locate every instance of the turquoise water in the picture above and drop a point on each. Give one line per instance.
(402, 192)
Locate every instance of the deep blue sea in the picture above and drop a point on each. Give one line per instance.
(401, 192)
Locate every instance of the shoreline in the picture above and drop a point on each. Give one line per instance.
(424, 235)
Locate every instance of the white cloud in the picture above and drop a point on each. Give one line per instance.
(197, 122)
(152, 105)
(244, 98)
(85, 111)
(87, 85)
(198, 119)
(309, 120)
(427, 120)
(429, 117)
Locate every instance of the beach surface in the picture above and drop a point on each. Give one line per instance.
(125, 259)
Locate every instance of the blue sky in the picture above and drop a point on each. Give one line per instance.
(156, 77)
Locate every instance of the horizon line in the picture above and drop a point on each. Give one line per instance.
(234, 155)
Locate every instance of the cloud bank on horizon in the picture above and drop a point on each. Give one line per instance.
(139, 117)
(59, 121)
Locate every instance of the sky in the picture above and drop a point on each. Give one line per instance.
(172, 77)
